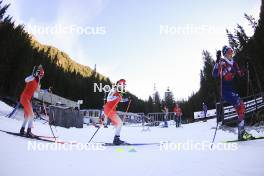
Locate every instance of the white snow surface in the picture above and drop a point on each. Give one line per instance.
(17, 159)
(4, 108)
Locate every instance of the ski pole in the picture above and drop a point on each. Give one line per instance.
(128, 106)
(45, 111)
(33, 70)
(221, 103)
(99, 118)
(94, 134)
(13, 111)
(214, 135)
(96, 129)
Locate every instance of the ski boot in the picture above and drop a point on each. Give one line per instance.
(244, 136)
(22, 131)
(247, 136)
(30, 134)
(165, 124)
(117, 140)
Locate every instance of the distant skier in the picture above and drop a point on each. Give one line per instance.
(166, 114)
(32, 85)
(205, 111)
(114, 97)
(178, 114)
(229, 69)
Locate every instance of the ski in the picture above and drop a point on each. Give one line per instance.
(39, 138)
(48, 137)
(24, 136)
(255, 138)
(129, 144)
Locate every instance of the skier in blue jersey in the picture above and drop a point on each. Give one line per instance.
(227, 68)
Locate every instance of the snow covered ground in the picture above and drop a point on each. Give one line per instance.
(234, 159)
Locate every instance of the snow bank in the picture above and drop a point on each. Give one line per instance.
(4, 108)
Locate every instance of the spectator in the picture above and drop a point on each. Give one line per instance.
(178, 114)
(204, 110)
(166, 113)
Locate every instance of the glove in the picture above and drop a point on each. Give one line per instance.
(46, 90)
(218, 56)
(242, 72)
(125, 100)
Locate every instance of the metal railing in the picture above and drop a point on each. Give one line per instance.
(131, 119)
(92, 116)
(252, 104)
(154, 119)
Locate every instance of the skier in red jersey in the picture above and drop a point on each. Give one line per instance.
(114, 97)
(32, 85)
